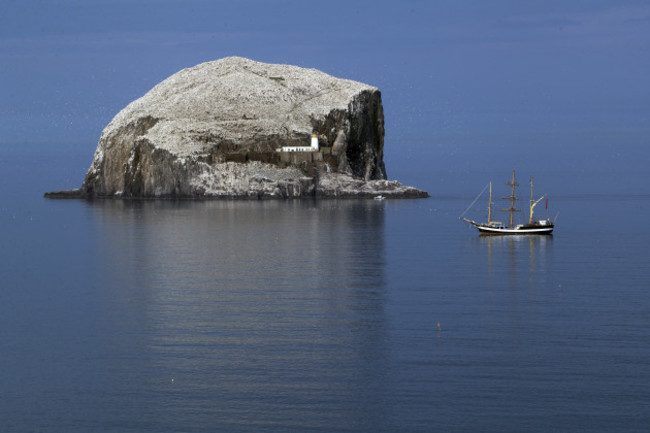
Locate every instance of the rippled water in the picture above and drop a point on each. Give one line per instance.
(150, 316)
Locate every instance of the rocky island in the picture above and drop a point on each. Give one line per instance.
(236, 128)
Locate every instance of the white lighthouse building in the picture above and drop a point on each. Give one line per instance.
(313, 148)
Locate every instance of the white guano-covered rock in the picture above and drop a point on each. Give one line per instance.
(213, 130)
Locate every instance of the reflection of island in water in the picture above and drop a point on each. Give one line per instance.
(239, 298)
(203, 243)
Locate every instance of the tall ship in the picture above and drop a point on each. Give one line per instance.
(533, 227)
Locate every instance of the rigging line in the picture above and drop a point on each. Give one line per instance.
(472, 204)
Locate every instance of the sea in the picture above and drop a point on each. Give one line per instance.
(324, 315)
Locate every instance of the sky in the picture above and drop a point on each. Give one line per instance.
(462, 82)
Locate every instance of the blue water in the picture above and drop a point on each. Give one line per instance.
(202, 316)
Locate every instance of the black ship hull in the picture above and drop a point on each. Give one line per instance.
(517, 230)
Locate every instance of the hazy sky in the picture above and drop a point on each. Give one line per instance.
(458, 75)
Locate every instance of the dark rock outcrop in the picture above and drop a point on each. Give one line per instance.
(214, 130)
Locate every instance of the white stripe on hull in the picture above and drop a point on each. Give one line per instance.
(522, 231)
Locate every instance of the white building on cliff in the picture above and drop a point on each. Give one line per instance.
(312, 148)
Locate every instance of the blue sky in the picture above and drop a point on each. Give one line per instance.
(456, 77)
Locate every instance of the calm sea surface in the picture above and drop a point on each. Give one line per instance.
(237, 316)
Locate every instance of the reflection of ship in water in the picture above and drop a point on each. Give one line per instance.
(516, 255)
(542, 226)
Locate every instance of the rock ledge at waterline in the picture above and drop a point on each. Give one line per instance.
(214, 130)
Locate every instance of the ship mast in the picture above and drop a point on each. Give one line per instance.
(530, 218)
(490, 205)
(512, 184)
(533, 202)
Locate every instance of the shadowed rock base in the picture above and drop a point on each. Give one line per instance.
(334, 185)
(68, 193)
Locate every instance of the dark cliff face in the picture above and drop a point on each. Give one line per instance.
(366, 149)
(215, 130)
(361, 127)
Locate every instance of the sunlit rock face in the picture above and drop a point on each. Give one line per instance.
(214, 130)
